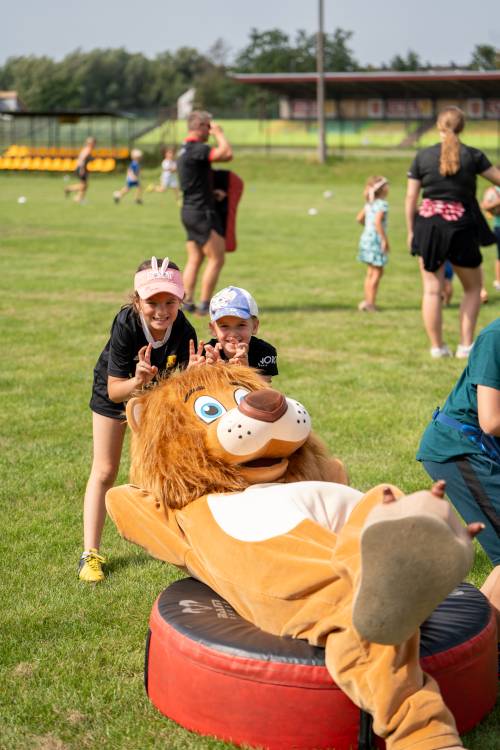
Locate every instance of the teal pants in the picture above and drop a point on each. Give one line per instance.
(473, 486)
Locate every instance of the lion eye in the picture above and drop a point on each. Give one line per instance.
(208, 408)
(240, 394)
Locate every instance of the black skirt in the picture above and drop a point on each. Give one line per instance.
(436, 240)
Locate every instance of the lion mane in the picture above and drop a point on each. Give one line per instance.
(169, 457)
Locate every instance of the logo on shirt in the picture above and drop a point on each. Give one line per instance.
(171, 361)
(269, 360)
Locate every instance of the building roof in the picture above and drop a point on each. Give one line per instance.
(71, 113)
(385, 84)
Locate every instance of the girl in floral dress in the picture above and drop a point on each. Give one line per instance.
(373, 244)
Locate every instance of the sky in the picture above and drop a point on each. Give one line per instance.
(440, 31)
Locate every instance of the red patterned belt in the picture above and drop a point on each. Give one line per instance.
(450, 211)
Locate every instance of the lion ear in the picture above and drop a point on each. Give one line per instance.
(133, 411)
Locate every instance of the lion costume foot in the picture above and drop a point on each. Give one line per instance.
(414, 552)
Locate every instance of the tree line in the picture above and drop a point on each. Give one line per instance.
(114, 79)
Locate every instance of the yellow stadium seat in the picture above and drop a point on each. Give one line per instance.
(67, 164)
(46, 163)
(2, 162)
(36, 163)
(12, 151)
(57, 164)
(16, 163)
(25, 162)
(95, 165)
(108, 165)
(23, 151)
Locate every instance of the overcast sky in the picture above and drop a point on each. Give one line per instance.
(440, 31)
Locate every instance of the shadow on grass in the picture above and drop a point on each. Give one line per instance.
(122, 562)
(322, 308)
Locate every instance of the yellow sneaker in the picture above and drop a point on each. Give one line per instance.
(90, 567)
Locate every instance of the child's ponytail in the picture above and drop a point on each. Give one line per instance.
(450, 123)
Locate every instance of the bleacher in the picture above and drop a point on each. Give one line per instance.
(58, 158)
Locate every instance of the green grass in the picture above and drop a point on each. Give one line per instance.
(348, 134)
(72, 656)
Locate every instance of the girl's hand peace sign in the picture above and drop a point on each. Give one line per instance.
(145, 371)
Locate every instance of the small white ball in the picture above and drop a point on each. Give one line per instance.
(327, 194)
(21, 199)
(312, 211)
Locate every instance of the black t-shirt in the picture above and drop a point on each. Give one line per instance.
(261, 355)
(195, 175)
(119, 356)
(457, 187)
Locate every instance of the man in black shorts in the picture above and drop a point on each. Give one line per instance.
(205, 234)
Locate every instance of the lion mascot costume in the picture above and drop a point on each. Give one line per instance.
(231, 486)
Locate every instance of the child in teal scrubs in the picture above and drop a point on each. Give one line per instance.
(462, 443)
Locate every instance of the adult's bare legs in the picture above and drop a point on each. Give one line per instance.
(194, 261)
(432, 303)
(471, 302)
(108, 437)
(215, 250)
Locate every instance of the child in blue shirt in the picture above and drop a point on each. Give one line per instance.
(132, 180)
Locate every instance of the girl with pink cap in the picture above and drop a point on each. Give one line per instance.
(149, 337)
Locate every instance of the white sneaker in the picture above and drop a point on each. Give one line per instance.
(463, 351)
(496, 285)
(440, 351)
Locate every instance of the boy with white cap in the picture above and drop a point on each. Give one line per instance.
(233, 322)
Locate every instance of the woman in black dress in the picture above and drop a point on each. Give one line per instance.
(448, 225)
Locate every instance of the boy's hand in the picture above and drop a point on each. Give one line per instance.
(241, 355)
(215, 129)
(212, 353)
(196, 357)
(144, 370)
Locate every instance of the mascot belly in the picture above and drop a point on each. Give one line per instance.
(232, 487)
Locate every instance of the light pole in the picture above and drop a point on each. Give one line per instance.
(320, 86)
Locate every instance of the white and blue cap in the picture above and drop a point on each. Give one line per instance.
(232, 300)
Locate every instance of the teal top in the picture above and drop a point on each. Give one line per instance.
(440, 442)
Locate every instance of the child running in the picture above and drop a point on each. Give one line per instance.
(373, 245)
(233, 323)
(149, 337)
(168, 178)
(132, 179)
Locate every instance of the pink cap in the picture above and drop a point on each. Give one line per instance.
(155, 280)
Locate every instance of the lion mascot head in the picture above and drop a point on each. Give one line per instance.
(221, 428)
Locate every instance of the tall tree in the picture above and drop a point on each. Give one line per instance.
(485, 57)
(410, 62)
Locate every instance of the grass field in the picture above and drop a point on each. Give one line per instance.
(340, 134)
(72, 655)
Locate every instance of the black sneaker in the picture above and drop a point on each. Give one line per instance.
(189, 307)
(203, 308)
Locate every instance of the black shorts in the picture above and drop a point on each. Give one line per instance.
(436, 240)
(198, 224)
(81, 174)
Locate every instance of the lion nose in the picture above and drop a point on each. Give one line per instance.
(266, 405)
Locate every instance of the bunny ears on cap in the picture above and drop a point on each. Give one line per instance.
(155, 280)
